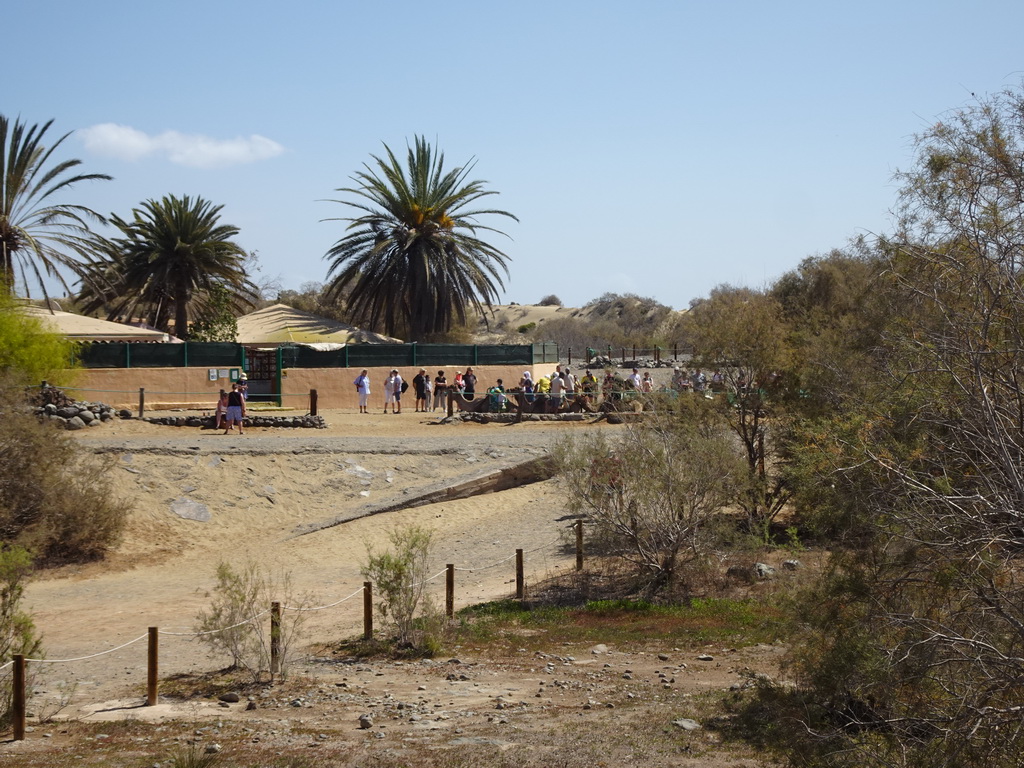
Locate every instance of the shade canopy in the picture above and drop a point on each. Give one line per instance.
(280, 324)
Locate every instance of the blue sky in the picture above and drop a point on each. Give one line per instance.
(656, 148)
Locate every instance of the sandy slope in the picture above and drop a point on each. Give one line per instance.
(256, 490)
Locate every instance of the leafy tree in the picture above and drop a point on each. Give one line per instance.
(217, 321)
(29, 353)
(913, 655)
(172, 257)
(38, 235)
(413, 260)
(742, 333)
(311, 297)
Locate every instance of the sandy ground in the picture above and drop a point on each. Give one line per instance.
(256, 490)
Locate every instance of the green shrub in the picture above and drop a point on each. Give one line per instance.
(400, 577)
(29, 353)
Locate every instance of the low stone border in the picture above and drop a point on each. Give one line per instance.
(75, 415)
(208, 422)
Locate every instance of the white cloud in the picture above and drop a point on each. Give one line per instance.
(127, 143)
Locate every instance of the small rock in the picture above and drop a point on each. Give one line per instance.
(764, 571)
(686, 724)
(365, 722)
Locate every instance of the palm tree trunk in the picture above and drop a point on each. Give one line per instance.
(181, 300)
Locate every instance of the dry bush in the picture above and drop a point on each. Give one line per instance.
(236, 620)
(655, 494)
(54, 501)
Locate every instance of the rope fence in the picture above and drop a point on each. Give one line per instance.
(19, 662)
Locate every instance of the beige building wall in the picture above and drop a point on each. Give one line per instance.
(191, 387)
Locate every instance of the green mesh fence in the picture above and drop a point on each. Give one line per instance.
(220, 355)
(215, 354)
(102, 355)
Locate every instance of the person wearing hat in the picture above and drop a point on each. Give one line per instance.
(527, 385)
(678, 377)
(419, 383)
(362, 383)
(243, 385)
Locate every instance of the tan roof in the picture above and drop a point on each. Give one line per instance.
(280, 324)
(82, 328)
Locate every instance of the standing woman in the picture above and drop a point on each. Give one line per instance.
(469, 383)
(526, 385)
(440, 391)
(236, 409)
(362, 383)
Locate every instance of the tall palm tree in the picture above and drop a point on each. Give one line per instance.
(173, 255)
(412, 260)
(38, 235)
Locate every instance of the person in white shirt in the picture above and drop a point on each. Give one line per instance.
(398, 392)
(389, 391)
(362, 383)
(557, 390)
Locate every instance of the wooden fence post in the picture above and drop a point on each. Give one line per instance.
(579, 545)
(312, 402)
(18, 694)
(367, 610)
(275, 639)
(142, 402)
(449, 591)
(153, 668)
(520, 581)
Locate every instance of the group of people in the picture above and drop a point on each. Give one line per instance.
(430, 393)
(697, 382)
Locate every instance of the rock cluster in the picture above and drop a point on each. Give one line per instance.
(208, 422)
(603, 361)
(75, 415)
